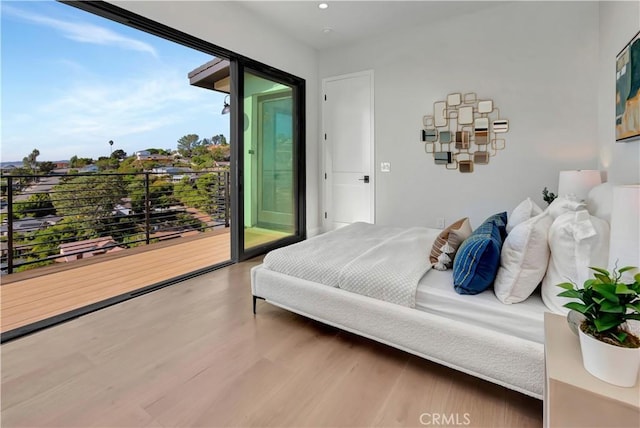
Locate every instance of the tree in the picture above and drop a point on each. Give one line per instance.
(207, 185)
(160, 194)
(104, 163)
(119, 154)
(76, 162)
(187, 143)
(200, 150)
(205, 160)
(31, 160)
(162, 152)
(46, 167)
(38, 205)
(219, 140)
(24, 180)
(201, 194)
(89, 198)
(187, 193)
(221, 153)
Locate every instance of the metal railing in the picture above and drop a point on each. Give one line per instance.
(66, 217)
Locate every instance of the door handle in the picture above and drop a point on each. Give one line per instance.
(365, 179)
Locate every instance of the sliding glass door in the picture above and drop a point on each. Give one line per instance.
(270, 161)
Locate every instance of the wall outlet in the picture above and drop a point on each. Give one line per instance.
(385, 166)
(440, 222)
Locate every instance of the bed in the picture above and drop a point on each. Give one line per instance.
(383, 283)
(323, 278)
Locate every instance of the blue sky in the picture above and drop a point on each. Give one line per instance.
(72, 81)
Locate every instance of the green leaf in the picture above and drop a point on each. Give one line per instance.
(626, 268)
(603, 278)
(623, 289)
(607, 291)
(583, 309)
(572, 294)
(632, 317)
(600, 270)
(637, 277)
(606, 323)
(589, 283)
(621, 336)
(634, 306)
(565, 285)
(611, 307)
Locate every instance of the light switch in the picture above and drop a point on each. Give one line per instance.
(385, 166)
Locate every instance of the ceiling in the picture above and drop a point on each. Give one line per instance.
(351, 21)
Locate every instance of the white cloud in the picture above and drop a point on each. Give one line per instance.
(82, 32)
(147, 111)
(128, 107)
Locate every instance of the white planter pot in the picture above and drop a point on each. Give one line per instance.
(613, 364)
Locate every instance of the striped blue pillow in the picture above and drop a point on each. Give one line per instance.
(478, 259)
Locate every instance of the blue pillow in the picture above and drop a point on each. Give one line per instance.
(478, 259)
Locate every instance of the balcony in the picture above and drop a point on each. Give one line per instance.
(74, 243)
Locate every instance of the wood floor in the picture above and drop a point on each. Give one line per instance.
(193, 354)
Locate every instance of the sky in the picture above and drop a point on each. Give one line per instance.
(72, 81)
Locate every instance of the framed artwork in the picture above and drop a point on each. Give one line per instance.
(628, 91)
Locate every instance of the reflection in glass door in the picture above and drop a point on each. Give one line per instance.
(269, 157)
(275, 162)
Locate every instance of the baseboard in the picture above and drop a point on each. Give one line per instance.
(313, 232)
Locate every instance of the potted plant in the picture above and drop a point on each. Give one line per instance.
(609, 350)
(548, 196)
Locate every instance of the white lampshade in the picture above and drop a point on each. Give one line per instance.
(624, 246)
(577, 183)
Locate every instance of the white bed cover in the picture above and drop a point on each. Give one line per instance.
(385, 263)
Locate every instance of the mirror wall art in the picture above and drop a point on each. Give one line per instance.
(463, 131)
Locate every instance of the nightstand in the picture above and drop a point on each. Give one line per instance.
(572, 396)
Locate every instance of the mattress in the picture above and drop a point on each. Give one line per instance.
(435, 294)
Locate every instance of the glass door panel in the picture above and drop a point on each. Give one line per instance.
(269, 191)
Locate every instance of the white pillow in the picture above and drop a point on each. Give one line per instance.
(561, 205)
(523, 212)
(523, 260)
(600, 201)
(577, 241)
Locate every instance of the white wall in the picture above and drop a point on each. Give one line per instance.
(538, 61)
(619, 22)
(230, 26)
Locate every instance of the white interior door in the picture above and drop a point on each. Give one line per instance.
(348, 149)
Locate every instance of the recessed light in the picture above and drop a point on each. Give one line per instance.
(327, 30)
(323, 5)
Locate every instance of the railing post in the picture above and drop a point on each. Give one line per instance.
(9, 224)
(147, 208)
(227, 197)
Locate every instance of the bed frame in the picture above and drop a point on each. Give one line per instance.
(506, 360)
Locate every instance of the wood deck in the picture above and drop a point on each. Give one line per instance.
(38, 294)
